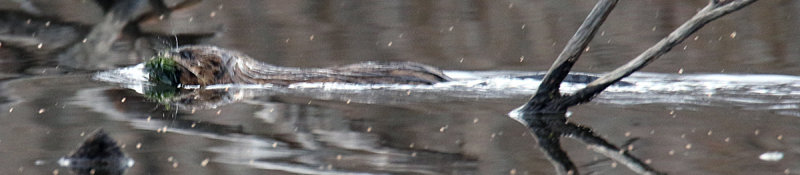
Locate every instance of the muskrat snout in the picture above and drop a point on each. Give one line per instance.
(185, 54)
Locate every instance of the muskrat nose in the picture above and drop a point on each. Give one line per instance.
(185, 54)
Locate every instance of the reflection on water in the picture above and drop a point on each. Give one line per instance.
(716, 118)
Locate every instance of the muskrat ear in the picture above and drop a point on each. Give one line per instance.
(185, 54)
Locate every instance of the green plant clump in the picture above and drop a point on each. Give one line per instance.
(161, 93)
(163, 71)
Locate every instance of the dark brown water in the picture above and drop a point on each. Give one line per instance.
(47, 109)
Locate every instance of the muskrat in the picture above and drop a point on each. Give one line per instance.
(208, 65)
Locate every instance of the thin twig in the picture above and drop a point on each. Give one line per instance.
(712, 11)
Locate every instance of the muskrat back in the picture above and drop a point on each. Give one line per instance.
(207, 65)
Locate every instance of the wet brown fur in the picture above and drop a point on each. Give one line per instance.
(207, 65)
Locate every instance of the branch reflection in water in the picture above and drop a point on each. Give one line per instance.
(549, 128)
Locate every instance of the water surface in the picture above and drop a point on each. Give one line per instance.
(713, 105)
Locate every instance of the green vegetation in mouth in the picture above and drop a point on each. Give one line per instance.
(163, 71)
(162, 94)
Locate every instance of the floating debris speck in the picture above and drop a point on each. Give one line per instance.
(772, 156)
(204, 162)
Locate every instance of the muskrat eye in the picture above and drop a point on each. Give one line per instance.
(186, 54)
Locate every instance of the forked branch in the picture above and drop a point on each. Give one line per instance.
(549, 89)
(548, 99)
(712, 11)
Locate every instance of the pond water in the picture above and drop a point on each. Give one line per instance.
(726, 101)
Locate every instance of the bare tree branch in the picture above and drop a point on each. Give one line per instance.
(712, 11)
(549, 89)
(543, 113)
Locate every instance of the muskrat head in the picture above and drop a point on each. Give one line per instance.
(199, 65)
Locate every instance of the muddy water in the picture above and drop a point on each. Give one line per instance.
(719, 116)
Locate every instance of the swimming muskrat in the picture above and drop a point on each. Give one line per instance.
(207, 65)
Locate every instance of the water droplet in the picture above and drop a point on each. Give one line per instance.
(123, 100)
(204, 162)
(41, 110)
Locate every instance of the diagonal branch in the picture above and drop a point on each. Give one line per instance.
(712, 11)
(572, 51)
